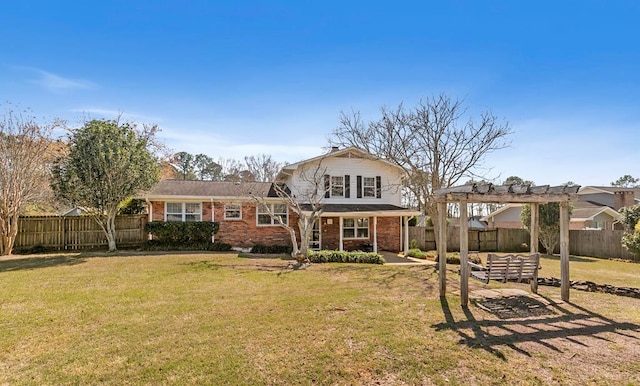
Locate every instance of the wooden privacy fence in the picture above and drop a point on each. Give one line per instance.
(598, 243)
(77, 232)
(486, 240)
(594, 243)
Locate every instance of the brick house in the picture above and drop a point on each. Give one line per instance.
(360, 195)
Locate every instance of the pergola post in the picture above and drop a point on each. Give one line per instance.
(442, 246)
(564, 251)
(464, 255)
(533, 244)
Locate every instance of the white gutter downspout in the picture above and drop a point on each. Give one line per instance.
(213, 236)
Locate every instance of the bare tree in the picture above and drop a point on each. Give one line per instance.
(25, 160)
(235, 171)
(434, 142)
(305, 202)
(262, 167)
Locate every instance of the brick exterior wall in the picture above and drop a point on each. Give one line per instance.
(245, 233)
(388, 234)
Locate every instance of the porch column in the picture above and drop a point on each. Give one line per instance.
(375, 234)
(406, 235)
(442, 247)
(341, 235)
(533, 246)
(150, 206)
(564, 251)
(464, 258)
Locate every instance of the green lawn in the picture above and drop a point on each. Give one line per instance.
(219, 319)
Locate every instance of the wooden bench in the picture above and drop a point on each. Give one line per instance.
(507, 268)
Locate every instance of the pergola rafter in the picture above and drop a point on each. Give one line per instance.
(502, 194)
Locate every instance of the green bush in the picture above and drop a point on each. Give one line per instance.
(182, 232)
(631, 241)
(413, 244)
(274, 249)
(454, 258)
(157, 245)
(345, 257)
(417, 253)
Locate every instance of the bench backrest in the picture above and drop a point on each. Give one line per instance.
(512, 267)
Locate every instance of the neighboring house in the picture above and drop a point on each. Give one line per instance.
(474, 222)
(597, 208)
(75, 211)
(360, 195)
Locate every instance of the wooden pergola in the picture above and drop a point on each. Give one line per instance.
(503, 194)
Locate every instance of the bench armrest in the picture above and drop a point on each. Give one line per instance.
(477, 267)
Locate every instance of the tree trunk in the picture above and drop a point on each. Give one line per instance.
(10, 231)
(111, 232)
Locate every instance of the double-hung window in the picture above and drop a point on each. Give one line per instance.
(265, 212)
(355, 228)
(369, 187)
(183, 211)
(233, 211)
(337, 186)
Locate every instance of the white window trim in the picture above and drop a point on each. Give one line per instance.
(355, 228)
(239, 205)
(274, 221)
(184, 211)
(331, 185)
(373, 187)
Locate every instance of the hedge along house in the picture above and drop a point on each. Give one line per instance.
(359, 194)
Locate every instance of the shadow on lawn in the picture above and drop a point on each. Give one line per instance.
(567, 324)
(25, 263)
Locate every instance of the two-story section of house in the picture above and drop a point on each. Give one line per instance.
(360, 196)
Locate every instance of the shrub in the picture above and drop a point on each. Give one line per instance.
(275, 249)
(413, 244)
(631, 241)
(415, 252)
(182, 232)
(157, 245)
(345, 257)
(454, 258)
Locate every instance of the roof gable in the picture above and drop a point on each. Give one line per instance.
(348, 153)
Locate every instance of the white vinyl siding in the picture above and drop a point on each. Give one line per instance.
(304, 180)
(183, 211)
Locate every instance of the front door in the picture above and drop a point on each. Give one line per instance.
(314, 241)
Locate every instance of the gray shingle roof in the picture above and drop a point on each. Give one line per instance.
(207, 189)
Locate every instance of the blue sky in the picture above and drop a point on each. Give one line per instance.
(236, 78)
